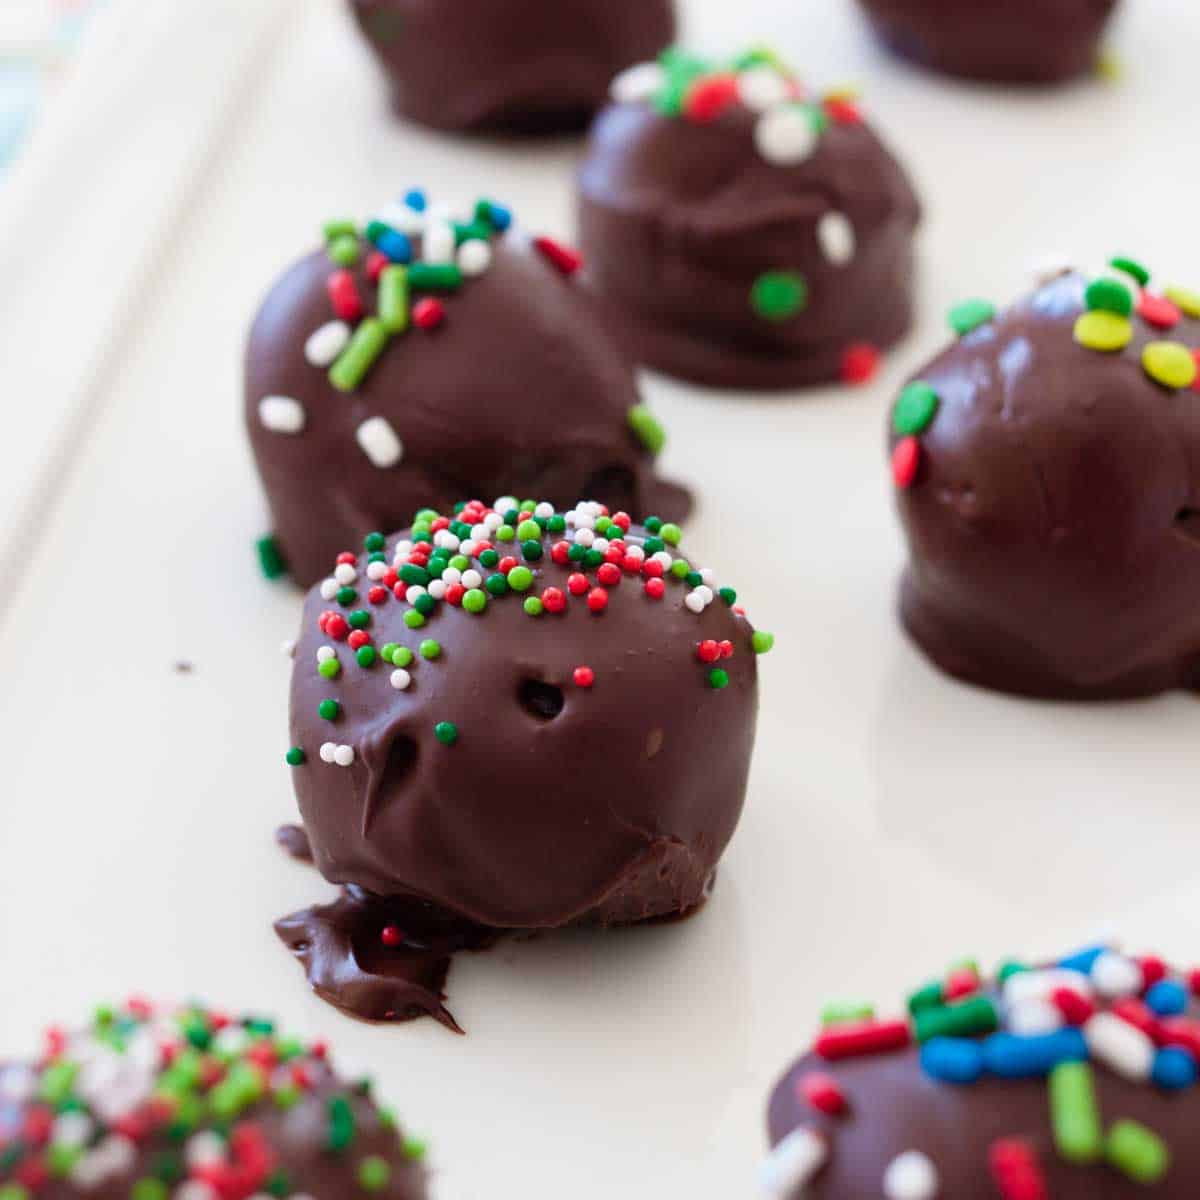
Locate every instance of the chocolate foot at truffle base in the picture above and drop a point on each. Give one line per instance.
(1047, 471)
(743, 231)
(509, 66)
(1005, 41)
(511, 718)
(1074, 1080)
(417, 359)
(195, 1104)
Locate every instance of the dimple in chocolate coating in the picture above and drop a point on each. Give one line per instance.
(520, 388)
(1052, 528)
(1007, 41)
(517, 66)
(679, 218)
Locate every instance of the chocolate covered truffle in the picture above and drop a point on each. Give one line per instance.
(194, 1104)
(510, 717)
(1006, 41)
(1069, 1081)
(743, 230)
(1047, 470)
(517, 66)
(419, 358)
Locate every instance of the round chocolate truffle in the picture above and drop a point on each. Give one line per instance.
(1048, 478)
(515, 66)
(419, 358)
(1006, 41)
(511, 718)
(1074, 1080)
(194, 1105)
(742, 230)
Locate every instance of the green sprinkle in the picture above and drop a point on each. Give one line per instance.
(57, 1081)
(474, 600)
(389, 648)
(489, 558)
(374, 1173)
(352, 365)
(680, 568)
(475, 231)
(1074, 1113)
(576, 552)
(603, 525)
(496, 584)
(529, 529)
(778, 295)
(929, 996)
(425, 604)
(718, 678)
(1107, 295)
(506, 533)
(653, 524)
(1008, 969)
(593, 557)
(671, 534)
(414, 618)
(359, 619)
(446, 732)
(1132, 268)
(430, 648)
(344, 250)
(460, 562)
(762, 642)
(645, 425)
(414, 1149)
(653, 545)
(61, 1158)
(411, 573)
(338, 228)
(520, 579)
(969, 315)
(270, 558)
(149, 1189)
(295, 757)
(557, 523)
(842, 1012)
(346, 596)
(915, 410)
(434, 277)
(393, 298)
(402, 656)
(728, 595)
(330, 710)
(967, 1018)
(531, 550)
(1137, 1152)
(693, 579)
(366, 656)
(374, 542)
(330, 668)
(533, 606)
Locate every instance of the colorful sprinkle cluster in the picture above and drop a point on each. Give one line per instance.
(417, 257)
(482, 555)
(175, 1106)
(1094, 1010)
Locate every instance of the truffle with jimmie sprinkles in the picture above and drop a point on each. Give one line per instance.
(195, 1104)
(1068, 1080)
(510, 717)
(422, 355)
(1006, 41)
(513, 66)
(743, 229)
(1047, 472)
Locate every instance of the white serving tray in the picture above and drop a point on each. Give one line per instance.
(895, 821)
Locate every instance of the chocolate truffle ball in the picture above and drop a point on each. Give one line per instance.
(1048, 479)
(194, 1105)
(418, 358)
(1074, 1080)
(1006, 41)
(512, 718)
(516, 66)
(742, 230)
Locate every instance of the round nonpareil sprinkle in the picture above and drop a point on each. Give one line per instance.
(1104, 331)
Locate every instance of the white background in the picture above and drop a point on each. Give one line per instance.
(896, 820)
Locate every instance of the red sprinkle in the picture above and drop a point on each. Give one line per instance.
(506, 564)
(865, 1037)
(726, 649)
(428, 313)
(454, 594)
(376, 261)
(823, 1093)
(622, 521)
(860, 361)
(337, 627)
(577, 584)
(959, 984)
(1180, 1031)
(597, 600)
(1016, 1171)
(347, 556)
(1134, 1012)
(1158, 311)
(843, 112)
(584, 677)
(708, 651)
(390, 935)
(1076, 1009)
(560, 553)
(906, 462)
(377, 594)
(1193, 979)
(609, 574)
(708, 98)
(655, 589)
(343, 294)
(565, 258)
(1154, 970)
(358, 638)
(553, 600)
(652, 568)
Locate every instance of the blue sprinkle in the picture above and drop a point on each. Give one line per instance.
(1174, 1068)
(1168, 998)
(952, 1060)
(1083, 960)
(1013, 1057)
(500, 217)
(395, 245)
(415, 200)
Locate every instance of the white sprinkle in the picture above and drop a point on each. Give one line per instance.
(472, 578)
(663, 558)
(695, 602)
(343, 756)
(836, 235)
(324, 653)
(638, 83)
(451, 575)
(544, 510)
(376, 570)
(196, 1189)
(584, 537)
(379, 442)
(402, 218)
(438, 244)
(232, 1040)
(400, 679)
(288, 648)
(635, 552)
(17, 1084)
(1122, 1047)
(708, 576)
(761, 88)
(281, 414)
(1114, 975)
(328, 750)
(705, 592)
(437, 588)
(502, 505)
(1033, 1017)
(1038, 985)
(413, 593)
(910, 1176)
(470, 547)
(786, 135)
(71, 1129)
(446, 539)
(474, 257)
(601, 544)
(345, 574)
(329, 588)
(112, 1157)
(494, 520)
(325, 344)
(204, 1149)
(403, 547)
(793, 1163)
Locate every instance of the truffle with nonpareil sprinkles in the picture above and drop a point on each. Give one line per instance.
(193, 1103)
(1047, 472)
(424, 353)
(743, 228)
(1068, 1080)
(511, 716)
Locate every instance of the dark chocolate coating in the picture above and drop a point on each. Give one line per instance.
(615, 810)
(1006, 41)
(520, 388)
(1052, 529)
(679, 218)
(516, 66)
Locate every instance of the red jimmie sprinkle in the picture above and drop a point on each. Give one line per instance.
(1076, 1009)
(1158, 311)
(1181, 1031)
(584, 677)
(565, 258)
(428, 313)
(823, 1093)
(1154, 970)
(1016, 1171)
(343, 294)
(708, 98)
(1134, 1012)
(906, 461)
(959, 984)
(1193, 981)
(865, 1037)
(376, 261)
(843, 112)
(860, 361)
